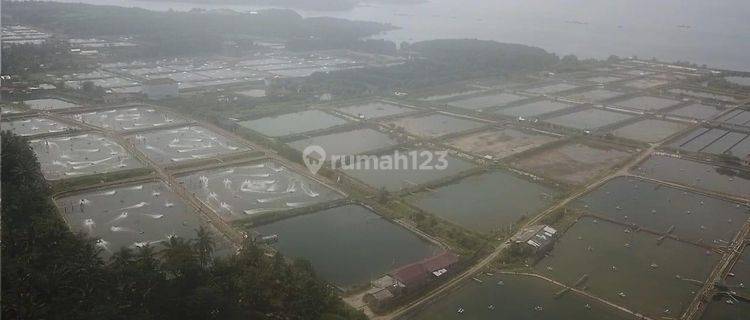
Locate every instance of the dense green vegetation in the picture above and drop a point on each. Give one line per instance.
(50, 273)
(180, 33)
(436, 62)
(29, 58)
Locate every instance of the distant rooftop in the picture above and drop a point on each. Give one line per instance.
(158, 81)
(536, 236)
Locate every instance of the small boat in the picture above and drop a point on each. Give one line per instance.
(460, 310)
(622, 294)
(491, 307)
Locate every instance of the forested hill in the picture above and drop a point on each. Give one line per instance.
(185, 31)
(468, 55)
(437, 62)
(323, 5)
(50, 273)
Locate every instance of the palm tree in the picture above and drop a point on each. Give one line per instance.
(203, 245)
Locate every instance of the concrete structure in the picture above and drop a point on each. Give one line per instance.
(539, 238)
(156, 89)
(409, 278)
(419, 273)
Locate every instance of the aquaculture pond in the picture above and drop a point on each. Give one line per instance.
(697, 175)
(603, 79)
(293, 123)
(124, 119)
(347, 143)
(650, 130)
(67, 157)
(594, 95)
(434, 125)
(697, 111)
(687, 215)
(375, 109)
(34, 126)
(725, 308)
(130, 215)
(243, 191)
(716, 141)
(647, 103)
(170, 146)
(589, 119)
(50, 104)
(515, 297)
(486, 101)
(348, 245)
(629, 268)
(486, 202)
(405, 170)
(552, 88)
(534, 108)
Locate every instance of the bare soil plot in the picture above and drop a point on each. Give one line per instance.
(573, 163)
(499, 143)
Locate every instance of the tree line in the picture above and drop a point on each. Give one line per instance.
(48, 272)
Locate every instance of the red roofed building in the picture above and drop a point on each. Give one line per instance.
(418, 273)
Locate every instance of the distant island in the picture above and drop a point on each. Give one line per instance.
(322, 5)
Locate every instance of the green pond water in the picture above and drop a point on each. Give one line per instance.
(515, 298)
(553, 88)
(696, 111)
(629, 268)
(487, 101)
(694, 216)
(534, 108)
(375, 109)
(348, 245)
(589, 119)
(293, 123)
(435, 125)
(487, 201)
(650, 130)
(347, 143)
(721, 310)
(406, 175)
(647, 103)
(595, 95)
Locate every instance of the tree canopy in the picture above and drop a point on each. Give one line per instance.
(50, 273)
